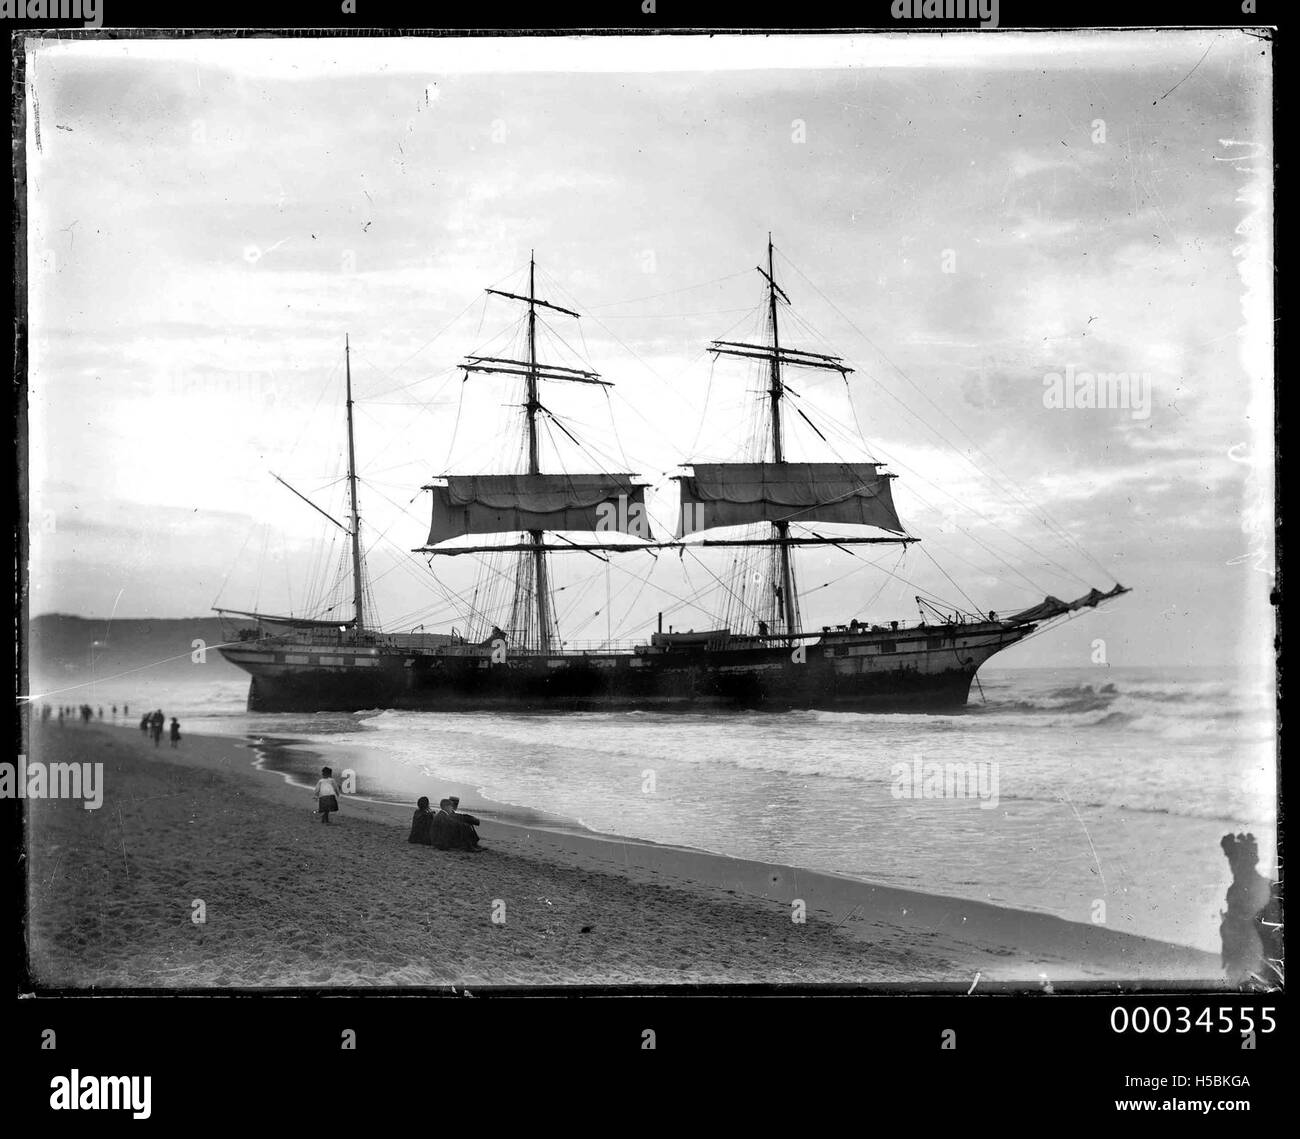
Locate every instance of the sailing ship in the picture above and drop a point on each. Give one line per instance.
(767, 509)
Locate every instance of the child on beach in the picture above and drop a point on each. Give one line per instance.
(327, 795)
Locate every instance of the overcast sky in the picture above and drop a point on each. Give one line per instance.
(958, 216)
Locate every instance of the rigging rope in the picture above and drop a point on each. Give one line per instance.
(1009, 487)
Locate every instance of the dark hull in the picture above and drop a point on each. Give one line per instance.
(854, 677)
(690, 689)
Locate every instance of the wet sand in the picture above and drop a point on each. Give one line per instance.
(287, 902)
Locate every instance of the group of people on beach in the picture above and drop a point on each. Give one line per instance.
(447, 828)
(151, 723)
(83, 712)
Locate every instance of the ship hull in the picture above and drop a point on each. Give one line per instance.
(928, 674)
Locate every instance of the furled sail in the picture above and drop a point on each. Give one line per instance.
(1051, 607)
(296, 622)
(731, 494)
(503, 504)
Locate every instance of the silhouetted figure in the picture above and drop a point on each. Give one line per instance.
(1247, 941)
(126, 709)
(422, 823)
(156, 722)
(175, 731)
(145, 721)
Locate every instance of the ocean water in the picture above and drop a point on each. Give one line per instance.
(1101, 793)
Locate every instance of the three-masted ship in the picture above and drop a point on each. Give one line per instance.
(768, 509)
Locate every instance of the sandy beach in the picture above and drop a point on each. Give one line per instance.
(202, 831)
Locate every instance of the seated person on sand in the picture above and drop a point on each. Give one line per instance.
(450, 831)
(468, 822)
(444, 830)
(422, 823)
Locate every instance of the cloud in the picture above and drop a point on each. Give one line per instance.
(250, 202)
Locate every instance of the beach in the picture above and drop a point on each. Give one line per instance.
(1108, 790)
(204, 832)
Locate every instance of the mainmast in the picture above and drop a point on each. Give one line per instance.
(352, 482)
(533, 568)
(542, 586)
(789, 599)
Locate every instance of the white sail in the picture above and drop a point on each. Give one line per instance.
(731, 494)
(503, 504)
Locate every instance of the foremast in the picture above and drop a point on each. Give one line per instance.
(789, 596)
(787, 593)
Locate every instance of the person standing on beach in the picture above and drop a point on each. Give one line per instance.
(327, 795)
(176, 731)
(144, 723)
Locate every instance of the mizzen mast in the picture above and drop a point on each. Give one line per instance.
(357, 587)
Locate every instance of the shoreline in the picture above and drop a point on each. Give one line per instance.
(289, 757)
(271, 748)
(865, 933)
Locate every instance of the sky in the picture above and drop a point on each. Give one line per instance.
(962, 218)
